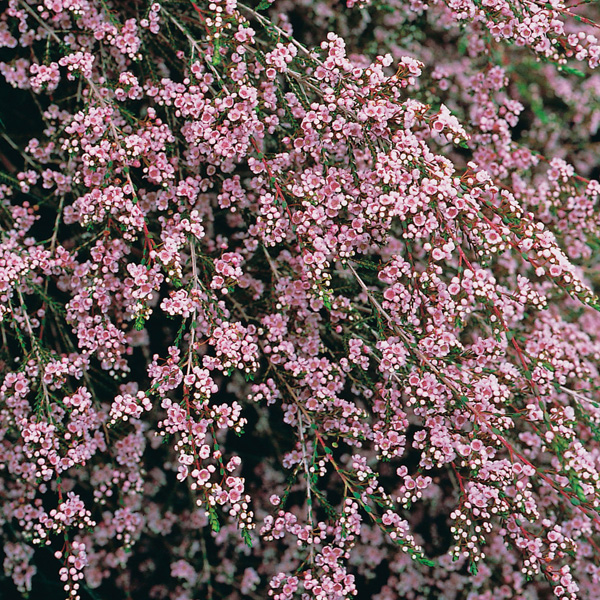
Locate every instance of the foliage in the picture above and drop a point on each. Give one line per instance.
(298, 299)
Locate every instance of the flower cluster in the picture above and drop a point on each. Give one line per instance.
(300, 303)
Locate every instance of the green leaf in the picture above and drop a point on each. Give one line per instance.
(462, 401)
(216, 59)
(578, 489)
(538, 109)
(246, 537)
(139, 323)
(571, 71)
(213, 519)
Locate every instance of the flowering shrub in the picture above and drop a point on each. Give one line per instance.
(298, 299)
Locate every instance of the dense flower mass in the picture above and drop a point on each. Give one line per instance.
(298, 299)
